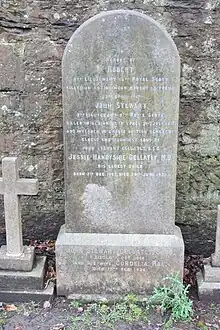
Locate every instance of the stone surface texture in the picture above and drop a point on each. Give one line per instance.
(33, 38)
(209, 279)
(211, 274)
(24, 286)
(23, 262)
(11, 186)
(215, 258)
(209, 284)
(121, 108)
(106, 265)
(25, 295)
(20, 280)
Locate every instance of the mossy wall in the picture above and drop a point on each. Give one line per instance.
(33, 37)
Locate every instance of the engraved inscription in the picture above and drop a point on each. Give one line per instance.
(118, 129)
(120, 96)
(106, 260)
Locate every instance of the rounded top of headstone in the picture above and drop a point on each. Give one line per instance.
(104, 17)
(121, 73)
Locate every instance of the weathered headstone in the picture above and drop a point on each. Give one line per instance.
(21, 276)
(209, 278)
(121, 74)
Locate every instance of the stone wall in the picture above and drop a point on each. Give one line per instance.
(33, 37)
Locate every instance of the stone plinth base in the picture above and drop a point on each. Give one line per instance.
(24, 286)
(111, 264)
(209, 283)
(24, 262)
(28, 295)
(215, 259)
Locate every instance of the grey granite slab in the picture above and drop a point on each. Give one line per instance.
(209, 279)
(90, 264)
(23, 262)
(121, 74)
(121, 79)
(20, 280)
(211, 274)
(28, 295)
(208, 291)
(11, 186)
(216, 256)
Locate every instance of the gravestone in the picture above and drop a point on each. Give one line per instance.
(209, 278)
(216, 255)
(21, 274)
(14, 256)
(121, 74)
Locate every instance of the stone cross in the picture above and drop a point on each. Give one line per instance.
(216, 255)
(11, 186)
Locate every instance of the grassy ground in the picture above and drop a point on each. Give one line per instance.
(63, 315)
(60, 316)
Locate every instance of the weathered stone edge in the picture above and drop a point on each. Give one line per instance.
(127, 240)
(208, 291)
(25, 296)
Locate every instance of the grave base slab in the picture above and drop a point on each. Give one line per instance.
(28, 295)
(215, 259)
(24, 286)
(108, 265)
(110, 298)
(208, 282)
(24, 262)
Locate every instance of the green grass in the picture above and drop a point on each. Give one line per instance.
(173, 297)
(170, 298)
(106, 316)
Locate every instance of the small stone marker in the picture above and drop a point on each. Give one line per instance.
(121, 107)
(11, 186)
(21, 275)
(216, 255)
(14, 256)
(209, 279)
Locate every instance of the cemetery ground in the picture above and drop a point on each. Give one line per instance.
(61, 314)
